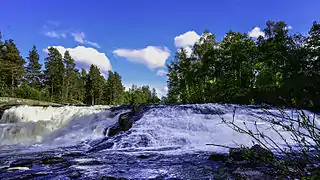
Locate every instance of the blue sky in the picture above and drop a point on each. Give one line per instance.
(137, 38)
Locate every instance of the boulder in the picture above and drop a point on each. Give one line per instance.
(218, 157)
(256, 154)
(238, 154)
(261, 155)
(126, 120)
(112, 178)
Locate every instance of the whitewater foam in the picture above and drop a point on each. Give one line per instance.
(29, 125)
(162, 128)
(192, 127)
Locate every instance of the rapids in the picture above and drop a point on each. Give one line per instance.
(168, 141)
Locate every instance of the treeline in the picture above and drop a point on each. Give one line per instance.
(60, 81)
(280, 69)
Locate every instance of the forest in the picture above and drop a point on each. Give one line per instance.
(60, 81)
(280, 69)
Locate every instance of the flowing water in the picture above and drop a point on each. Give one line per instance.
(167, 142)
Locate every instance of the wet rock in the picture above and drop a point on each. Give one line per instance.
(32, 176)
(112, 178)
(121, 171)
(143, 156)
(260, 150)
(73, 154)
(52, 160)
(217, 157)
(124, 123)
(126, 120)
(250, 163)
(250, 174)
(23, 163)
(75, 174)
(256, 154)
(238, 154)
(101, 147)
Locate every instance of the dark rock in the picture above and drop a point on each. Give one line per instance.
(238, 154)
(22, 163)
(33, 175)
(260, 150)
(142, 156)
(217, 157)
(75, 174)
(101, 147)
(112, 178)
(240, 173)
(261, 155)
(256, 154)
(52, 160)
(126, 120)
(73, 154)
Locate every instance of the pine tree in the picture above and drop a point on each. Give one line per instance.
(69, 77)
(12, 65)
(34, 74)
(82, 84)
(94, 86)
(237, 56)
(54, 74)
(114, 90)
(154, 97)
(312, 71)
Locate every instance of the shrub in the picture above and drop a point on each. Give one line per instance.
(300, 161)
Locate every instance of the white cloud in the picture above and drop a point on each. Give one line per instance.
(162, 91)
(289, 27)
(80, 38)
(256, 32)
(86, 56)
(161, 72)
(93, 44)
(54, 34)
(187, 39)
(151, 56)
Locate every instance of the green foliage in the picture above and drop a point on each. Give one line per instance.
(54, 74)
(60, 80)
(300, 161)
(114, 90)
(94, 86)
(11, 65)
(70, 91)
(141, 95)
(27, 92)
(279, 69)
(33, 69)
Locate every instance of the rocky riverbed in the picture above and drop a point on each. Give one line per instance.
(133, 142)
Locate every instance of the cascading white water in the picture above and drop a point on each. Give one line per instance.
(29, 125)
(165, 141)
(191, 127)
(183, 127)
